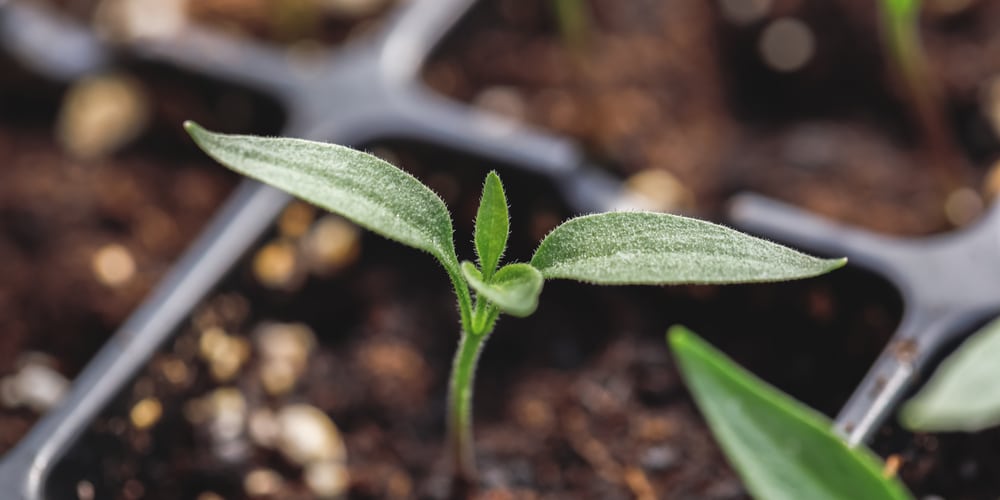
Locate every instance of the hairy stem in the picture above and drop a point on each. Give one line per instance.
(463, 295)
(460, 404)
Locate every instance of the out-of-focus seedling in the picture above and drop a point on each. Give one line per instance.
(964, 392)
(574, 22)
(611, 248)
(905, 51)
(782, 449)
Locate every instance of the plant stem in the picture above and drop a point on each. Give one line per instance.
(460, 404)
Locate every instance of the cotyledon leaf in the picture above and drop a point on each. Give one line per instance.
(655, 248)
(514, 289)
(782, 449)
(492, 225)
(361, 187)
(964, 392)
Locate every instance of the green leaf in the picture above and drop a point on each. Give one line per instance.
(964, 393)
(620, 248)
(781, 448)
(904, 10)
(371, 192)
(514, 289)
(492, 225)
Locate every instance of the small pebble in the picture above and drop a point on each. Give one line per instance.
(744, 12)
(660, 191)
(262, 482)
(307, 436)
(327, 479)
(146, 413)
(113, 265)
(332, 244)
(963, 206)
(787, 44)
(534, 413)
(101, 114)
(175, 371)
(295, 219)
(225, 354)
(264, 428)
(228, 411)
(503, 101)
(284, 353)
(125, 20)
(85, 491)
(276, 265)
(36, 386)
(659, 458)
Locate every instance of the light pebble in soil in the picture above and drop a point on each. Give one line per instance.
(262, 482)
(327, 479)
(264, 428)
(100, 114)
(332, 244)
(36, 386)
(146, 413)
(276, 265)
(284, 350)
(307, 435)
(137, 19)
(224, 353)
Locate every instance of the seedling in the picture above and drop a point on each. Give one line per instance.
(611, 249)
(574, 23)
(781, 448)
(901, 37)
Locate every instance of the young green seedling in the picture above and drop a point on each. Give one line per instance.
(612, 248)
(901, 37)
(782, 449)
(574, 23)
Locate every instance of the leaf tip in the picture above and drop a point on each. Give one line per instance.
(678, 337)
(837, 263)
(191, 127)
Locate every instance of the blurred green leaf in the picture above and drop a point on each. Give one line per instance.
(964, 392)
(782, 449)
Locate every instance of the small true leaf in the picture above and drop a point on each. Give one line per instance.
(357, 185)
(655, 248)
(514, 289)
(964, 393)
(492, 225)
(782, 449)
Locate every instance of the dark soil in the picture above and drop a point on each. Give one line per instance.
(580, 401)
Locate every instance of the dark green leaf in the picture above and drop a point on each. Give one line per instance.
(782, 449)
(514, 289)
(655, 248)
(492, 225)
